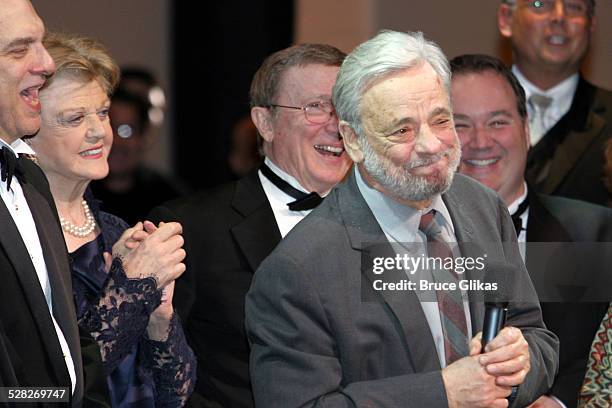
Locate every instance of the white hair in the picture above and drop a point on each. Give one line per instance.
(385, 54)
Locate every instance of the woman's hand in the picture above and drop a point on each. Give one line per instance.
(149, 251)
(159, 322)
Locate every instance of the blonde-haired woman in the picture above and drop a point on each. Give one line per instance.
(145, 356)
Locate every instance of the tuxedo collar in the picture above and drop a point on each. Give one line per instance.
(542, 225)
(257, 234)
(56, 260)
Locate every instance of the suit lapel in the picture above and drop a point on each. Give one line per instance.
(570, 151)
(257, 234)
(542, 226)
(550, 160)
(362, 229)
(18, 255)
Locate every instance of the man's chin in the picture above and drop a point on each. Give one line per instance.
(421, 188)
(28, 129)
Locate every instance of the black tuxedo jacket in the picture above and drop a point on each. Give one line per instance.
(30, 353)
(228, 232)
(571, 153)
(557, 219)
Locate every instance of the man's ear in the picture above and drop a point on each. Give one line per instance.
(351, 141)
(527, 131)
(593, 24)
(504, 19)
(262, 118)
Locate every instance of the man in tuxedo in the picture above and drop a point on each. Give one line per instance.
(39, 339)
(229, 230)
(323, 333)
(490, 115)
(570, 118)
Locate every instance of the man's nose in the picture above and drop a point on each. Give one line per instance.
(43, 64)
(481, 138)
(558, 11)
(427, 142)
(332, 124)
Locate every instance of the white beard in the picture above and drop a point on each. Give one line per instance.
(400, 182)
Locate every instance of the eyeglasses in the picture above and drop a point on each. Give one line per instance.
(315, 112)
(573, 8)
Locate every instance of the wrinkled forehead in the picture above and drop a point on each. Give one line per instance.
(311, 80)
(408, 86)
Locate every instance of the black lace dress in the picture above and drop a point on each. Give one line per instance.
(115, 311)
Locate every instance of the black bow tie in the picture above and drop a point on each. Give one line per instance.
(302, 201)
(8, 161)
(516, 217)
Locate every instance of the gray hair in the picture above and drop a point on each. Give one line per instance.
(387, 53)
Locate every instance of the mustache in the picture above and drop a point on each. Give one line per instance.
(430, 159)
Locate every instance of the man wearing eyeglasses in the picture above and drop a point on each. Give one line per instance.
(228, 231)
(570, 118)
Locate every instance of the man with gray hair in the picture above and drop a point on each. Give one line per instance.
(570, 119)
(325, 331)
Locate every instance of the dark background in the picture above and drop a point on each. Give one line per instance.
(212, 80)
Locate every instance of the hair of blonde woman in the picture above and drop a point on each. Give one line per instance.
(83, 59)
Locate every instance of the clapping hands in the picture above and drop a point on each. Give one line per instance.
(149, 251)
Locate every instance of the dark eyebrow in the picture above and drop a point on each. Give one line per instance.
(440, 111)
(403, 121)
(461, 116)
(500, 112)
(19, 42)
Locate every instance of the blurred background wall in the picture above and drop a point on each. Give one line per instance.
(204, 54)
(137, 33)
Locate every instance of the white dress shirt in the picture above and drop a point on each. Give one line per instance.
(512, 208)
(16, 203)
(286, 219)
(400, 224)
(561, 94)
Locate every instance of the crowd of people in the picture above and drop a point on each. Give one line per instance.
(261, 292)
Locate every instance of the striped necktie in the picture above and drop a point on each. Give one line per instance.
(450, 302)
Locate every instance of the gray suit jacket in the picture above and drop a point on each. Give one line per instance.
(315, 342)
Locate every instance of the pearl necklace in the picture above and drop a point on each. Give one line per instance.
(86, 229)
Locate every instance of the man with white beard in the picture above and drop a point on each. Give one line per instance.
(320, 334)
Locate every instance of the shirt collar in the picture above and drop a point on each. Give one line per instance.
(18, 147)
(563, 91)
(395, 218)
(513, 207)
(280, 173)
(21, 147)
